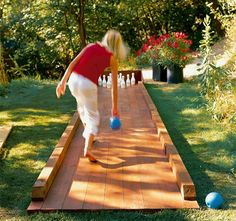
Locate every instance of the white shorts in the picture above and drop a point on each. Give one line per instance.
(86, 95)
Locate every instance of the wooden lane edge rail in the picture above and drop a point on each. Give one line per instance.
(4, 133)
(183, 178)
(48, 173)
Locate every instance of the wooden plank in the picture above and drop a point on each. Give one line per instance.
(4, 133)
(159, 189)
(114, 193)
(135, 168)
(48, 173)
(85, 181)
(160, 127)
(75, 120)
(182, 176)
(157, 180)
(133, 197)
(34, 206)
(165, 139)
(95, 191)
(63, 181)
(76, 195)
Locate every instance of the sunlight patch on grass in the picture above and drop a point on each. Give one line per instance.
(191, 111)
(222, 157)
(4, 118)
(168, 87)
(194, 139)
(25, 151)
(211, 136)
(31, 117)
(38, 165)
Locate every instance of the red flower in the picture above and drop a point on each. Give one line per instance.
(190, 42)
(168, 48)
(158, 41)
(169, 44)
(180, 35)
(175, 44)
(165, 36)
(145, 48)
(183, 58)
(151, 40)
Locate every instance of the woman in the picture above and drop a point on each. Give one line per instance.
(83, 73)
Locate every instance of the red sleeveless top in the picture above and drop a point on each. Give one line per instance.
(93, 62)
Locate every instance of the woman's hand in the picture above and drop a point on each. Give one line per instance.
(60, 90)
(114, 90)
(114, 113)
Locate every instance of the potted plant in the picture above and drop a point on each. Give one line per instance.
(174, 53)
(148, 55)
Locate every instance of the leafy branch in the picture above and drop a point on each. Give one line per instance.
(214, 81)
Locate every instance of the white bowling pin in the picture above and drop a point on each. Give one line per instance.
(109, 82)
(123, 82)
(104, 83)
(100, 81)
(120, 79)
(127, 81)
(132, 79)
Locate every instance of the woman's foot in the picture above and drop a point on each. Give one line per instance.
(95, 141)
(90, 157)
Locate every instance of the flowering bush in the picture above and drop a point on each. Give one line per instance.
(149, 52)
(167, 49)
(175, 49)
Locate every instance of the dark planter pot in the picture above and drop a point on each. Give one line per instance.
(159, 73)
(174, 74)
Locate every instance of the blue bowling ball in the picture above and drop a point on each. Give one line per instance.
(115, 123)
(214, 200)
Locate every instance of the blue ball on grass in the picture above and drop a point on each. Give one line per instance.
(115, 123)
(214, 200)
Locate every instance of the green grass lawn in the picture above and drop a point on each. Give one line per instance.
(207, 148)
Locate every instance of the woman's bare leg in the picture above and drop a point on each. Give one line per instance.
(87, 149)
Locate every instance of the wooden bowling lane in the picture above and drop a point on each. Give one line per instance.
(132, 173)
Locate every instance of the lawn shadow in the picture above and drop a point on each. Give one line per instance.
(38, 120)
(21, 161)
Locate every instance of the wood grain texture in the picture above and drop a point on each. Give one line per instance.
(4, 133)
(48, 173)
(135, 169)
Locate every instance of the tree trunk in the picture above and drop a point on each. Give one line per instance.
(3, 75)
(82, 31)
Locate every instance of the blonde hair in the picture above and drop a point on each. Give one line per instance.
(114, 43)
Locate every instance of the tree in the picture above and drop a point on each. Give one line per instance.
(44, 36)
(3, 75)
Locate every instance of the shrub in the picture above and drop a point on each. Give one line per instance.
(166, 50)
(215, 83)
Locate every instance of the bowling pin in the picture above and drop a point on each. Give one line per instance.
(132, 79)
(100, 81)
(104, 83)
(109, 82)
(127, 81)
(123, 82)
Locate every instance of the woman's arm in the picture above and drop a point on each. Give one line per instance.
(114, 90)
(61, 87)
